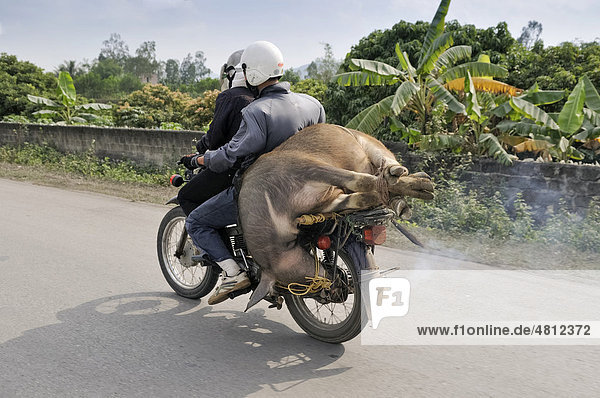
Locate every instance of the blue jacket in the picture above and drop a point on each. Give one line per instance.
(272, 118)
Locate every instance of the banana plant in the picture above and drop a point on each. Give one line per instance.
(420, 87)
(556, 134)
(66, 109)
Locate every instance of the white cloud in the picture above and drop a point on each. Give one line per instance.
(0, 29)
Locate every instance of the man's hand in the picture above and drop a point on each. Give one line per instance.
(190, 161)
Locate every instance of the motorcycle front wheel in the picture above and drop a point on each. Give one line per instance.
(331, 322)
(186, 277)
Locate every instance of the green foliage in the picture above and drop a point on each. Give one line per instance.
(581, 232)
(200, 111)
(323, 68)
(313, 87)
(86, 164)
(290, 75)
(564, 132)
(19, 79)
(66, 108)
(458, 210)
(421, 87)
(151, 106)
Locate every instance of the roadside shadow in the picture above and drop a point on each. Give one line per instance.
(158, 344)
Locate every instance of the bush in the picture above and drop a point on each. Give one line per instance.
(199, 111)
(152, 105)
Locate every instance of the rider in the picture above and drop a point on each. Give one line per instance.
(272, 118)
(226, 121)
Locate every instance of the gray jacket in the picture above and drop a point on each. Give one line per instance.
(272, 118)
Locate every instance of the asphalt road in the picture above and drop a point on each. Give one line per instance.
(84, 311)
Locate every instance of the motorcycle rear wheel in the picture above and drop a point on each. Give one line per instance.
(332, 322)
(186, 277)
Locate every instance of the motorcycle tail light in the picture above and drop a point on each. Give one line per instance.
(324, 242)
(374, 235)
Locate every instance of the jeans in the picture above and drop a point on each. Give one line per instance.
(202, 187)
(202, 223)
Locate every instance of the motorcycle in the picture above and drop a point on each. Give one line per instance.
(342, 244)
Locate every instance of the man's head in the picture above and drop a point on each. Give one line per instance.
(262, 63)
(229, 73)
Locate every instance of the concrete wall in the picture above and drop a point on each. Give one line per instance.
(142, 146)
(542, 184)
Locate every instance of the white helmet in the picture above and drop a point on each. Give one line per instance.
(261, 61)
(228, 70)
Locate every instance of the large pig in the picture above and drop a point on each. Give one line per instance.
(323, 168)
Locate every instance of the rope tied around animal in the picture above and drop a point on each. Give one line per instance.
(316, 282)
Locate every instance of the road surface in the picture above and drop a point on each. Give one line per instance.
(84, 311)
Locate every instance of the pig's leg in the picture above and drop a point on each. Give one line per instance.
(353, 201)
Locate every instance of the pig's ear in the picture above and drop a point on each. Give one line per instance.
(264, 288)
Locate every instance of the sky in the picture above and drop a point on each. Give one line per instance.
(47, 33)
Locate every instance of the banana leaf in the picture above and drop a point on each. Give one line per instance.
(445, 96)
(46, 112)
(94, 106)
(533, 112)
(438, 47)
(403, 95)
(484, 84)
(571, 115)
(592, 99)
(363, 78)
(476, 69)
(370, 118)
(494, 148)
(405, 63)
(66, 89)
(435, 28)
(380, 68)
(452, 56)
(592, 116)
(523, 128)
(473, 109)
(44, 101)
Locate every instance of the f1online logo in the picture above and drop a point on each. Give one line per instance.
(388, 297)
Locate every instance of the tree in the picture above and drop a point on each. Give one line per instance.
(115, 48)
(199, 62)
(419, 88)
(323, 68)
(17, 80)
(144, 64)
(312, 71)
(193, 69)
(557, 136)
(313, 87)
(172, 77)
(290, 75)
(69, 66)
(66, 109)
(530, 34)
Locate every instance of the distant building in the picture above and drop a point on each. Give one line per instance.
(152, 79)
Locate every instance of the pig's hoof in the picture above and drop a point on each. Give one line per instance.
(398, 171)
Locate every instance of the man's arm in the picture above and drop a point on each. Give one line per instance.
(250, 138)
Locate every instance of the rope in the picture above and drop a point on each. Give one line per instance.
(310, 219)
(316, 283)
